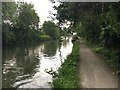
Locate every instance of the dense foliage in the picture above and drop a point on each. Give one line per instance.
(27, 24)
(8, 12)
(51, 29)
(98, 23)
(20, 23)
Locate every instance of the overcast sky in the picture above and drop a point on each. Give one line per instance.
(42, 8)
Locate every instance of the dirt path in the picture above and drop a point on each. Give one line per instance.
(94, 73)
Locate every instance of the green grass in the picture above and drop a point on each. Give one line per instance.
(68, 73)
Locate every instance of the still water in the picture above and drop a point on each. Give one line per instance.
(25, 66)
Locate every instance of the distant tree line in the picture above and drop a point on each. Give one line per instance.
(20, 23)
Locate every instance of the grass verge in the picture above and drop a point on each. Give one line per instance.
(68, 72)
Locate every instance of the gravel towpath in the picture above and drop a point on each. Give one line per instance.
(94, 73)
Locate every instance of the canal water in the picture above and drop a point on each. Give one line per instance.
(27, 66)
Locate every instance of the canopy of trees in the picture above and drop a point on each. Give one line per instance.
(19, 22)
(8, 12)
(97, 22)
(27, 22)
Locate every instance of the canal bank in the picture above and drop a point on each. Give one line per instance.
(68, 72)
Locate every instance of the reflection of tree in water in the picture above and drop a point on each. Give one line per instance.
(25, 60)
(50, 47)
(9, 72)
(7, 53)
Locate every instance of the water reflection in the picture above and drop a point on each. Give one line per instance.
(25, 66)
(50, 48)
(17, 62)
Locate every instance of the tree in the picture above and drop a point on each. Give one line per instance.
(92, 21)
(27, 22)
(8, 19)
(28, 18)
(8, 12)
(51, 29)
(20, 22)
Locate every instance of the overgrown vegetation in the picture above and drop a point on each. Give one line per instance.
(68, 72)
(97, 22)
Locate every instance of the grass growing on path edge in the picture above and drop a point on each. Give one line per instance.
(68, 73)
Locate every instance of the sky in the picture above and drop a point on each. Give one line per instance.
(42, 7)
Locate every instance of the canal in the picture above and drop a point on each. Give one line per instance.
(27, 66)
